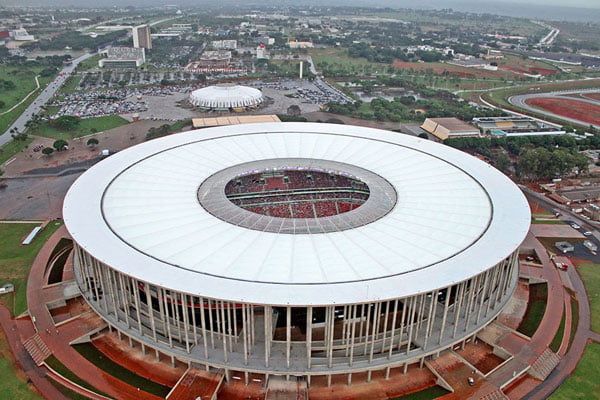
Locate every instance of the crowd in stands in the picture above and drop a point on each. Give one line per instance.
(303, 209)
(297, 194)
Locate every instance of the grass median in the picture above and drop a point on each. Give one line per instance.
(85, 127)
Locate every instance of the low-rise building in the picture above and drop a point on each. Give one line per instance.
(122, 57)
(295, 44)
(20, 35)
(445, 128)
(224, 44)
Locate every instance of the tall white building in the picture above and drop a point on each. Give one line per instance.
(141, 37)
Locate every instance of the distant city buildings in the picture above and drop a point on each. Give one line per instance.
(20, 35)
(123, 57)
(266, 40)
(142, 37)
(295, 44)
(224, 44)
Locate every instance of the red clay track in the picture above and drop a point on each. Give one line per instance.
(569, 108)
(592, 96)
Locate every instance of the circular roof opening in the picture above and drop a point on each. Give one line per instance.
(297, 196)
(292, 193)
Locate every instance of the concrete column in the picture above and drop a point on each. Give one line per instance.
(309, 311)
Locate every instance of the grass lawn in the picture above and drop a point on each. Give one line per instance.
(15, 260)
(538, 296)
(560, 333)
(95, 356)
(24, 79)
(84, 128)
(590, 274)
(574, 317)
(427, 394)
(583, 383)
(338, 59)
(10, 149)
(13, 383)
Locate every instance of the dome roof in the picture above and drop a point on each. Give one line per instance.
(226, 97)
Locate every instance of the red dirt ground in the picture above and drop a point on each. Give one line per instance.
(579, 110)
(481, 356)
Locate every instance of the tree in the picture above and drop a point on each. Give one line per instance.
(92, 142)
(47, 150)
(60, 144)
(66, 122)
(294, 110)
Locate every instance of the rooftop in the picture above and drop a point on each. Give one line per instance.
(454, 216)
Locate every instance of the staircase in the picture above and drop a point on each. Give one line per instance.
(280, 389)
(37, 349)
(543, 366)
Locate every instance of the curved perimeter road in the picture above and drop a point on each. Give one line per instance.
(521, 102)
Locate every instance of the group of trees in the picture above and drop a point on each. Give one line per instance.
(537, 157)
(541, 163)
(66, 122)
(385, 55)
(75, 40)
(60, 145)
(6, 85)
(406, 108)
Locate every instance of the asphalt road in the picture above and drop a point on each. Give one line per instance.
(49, 92)
(42, 98)
(520, 101)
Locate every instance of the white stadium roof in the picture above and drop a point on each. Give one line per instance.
(453, 216)
(226, 96)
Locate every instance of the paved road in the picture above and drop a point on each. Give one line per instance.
(50, 90)
(42, 98)
(521, 102)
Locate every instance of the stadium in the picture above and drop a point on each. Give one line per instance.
(296, 249)
(226, 98)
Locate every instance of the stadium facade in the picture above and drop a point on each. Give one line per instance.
(226, 98)
(296, 249)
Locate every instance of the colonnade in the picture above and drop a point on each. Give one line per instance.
(300, 341)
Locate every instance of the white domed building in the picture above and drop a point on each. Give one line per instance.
(226, 98)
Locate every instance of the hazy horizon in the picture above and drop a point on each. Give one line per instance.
(576, 10)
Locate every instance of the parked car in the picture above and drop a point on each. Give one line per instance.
(575, 226)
